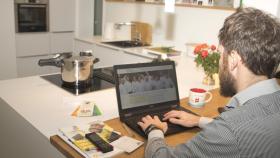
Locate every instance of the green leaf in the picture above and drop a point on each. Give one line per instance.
(210, 64)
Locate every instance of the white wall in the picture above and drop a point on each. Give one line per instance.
(271, 6)
(185, 25)
(278, 15)
(7, 40)
(84, 18)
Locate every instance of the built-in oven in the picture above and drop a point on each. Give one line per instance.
(31, 15)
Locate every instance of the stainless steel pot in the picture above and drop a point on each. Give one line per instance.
(75, 70)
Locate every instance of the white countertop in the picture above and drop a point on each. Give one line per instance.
(47, 107)
(140, 51)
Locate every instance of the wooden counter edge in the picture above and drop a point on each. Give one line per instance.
(64, 148)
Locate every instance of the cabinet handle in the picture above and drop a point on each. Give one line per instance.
(28, 56)
(62, 31)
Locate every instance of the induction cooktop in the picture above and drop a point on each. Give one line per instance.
(102, 79)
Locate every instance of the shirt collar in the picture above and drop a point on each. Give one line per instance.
(261, 88)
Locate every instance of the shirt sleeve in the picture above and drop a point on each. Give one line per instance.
(215, 140)
(155, 133)
(203, 121)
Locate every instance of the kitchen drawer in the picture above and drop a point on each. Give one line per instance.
(112, 56)
(54, 69)
(61, 42)
(80, 46)
(30, 44)
(28, 66)
(130, 58)
(108, 56)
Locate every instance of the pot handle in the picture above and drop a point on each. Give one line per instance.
(96, 60)
(57, 60)
(50, 62)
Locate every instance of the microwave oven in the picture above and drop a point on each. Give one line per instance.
(31, 16)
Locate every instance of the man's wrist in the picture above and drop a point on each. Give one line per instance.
(150, 128)
(156, 134)
(203, 121)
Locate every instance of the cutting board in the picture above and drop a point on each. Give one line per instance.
(162, 52)
(145, 31)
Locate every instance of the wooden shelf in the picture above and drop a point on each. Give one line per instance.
(177, 5)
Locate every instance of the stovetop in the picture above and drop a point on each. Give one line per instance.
(102, 79)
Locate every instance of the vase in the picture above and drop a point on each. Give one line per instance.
(209, 80)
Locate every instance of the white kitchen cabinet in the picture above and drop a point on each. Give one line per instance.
(107, 56)
(62, 15)
(110, 56)
(129, 58)
(28, 66)
(7, 42)
(29, 44)
(30, 47)
(61, 42)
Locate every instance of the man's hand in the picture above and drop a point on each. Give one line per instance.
(148, 120)
(182, 118)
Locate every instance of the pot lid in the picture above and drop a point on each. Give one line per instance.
(79, 58)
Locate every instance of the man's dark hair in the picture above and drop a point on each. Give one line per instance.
(255, 35)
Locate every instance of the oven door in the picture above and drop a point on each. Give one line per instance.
(32, 18)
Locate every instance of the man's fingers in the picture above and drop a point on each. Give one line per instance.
(176, 121)
(156, 118)
(172, 111)
(171, 114)
(148, 117)
(144, 119)
(141, 124)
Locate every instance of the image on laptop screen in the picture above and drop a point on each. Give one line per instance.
(146, 85)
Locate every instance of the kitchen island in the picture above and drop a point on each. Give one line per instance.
(35, 109)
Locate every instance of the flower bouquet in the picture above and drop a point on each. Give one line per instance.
(207, 57)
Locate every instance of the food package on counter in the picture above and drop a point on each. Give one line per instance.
(87, 109)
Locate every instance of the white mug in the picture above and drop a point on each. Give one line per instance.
(197, 97)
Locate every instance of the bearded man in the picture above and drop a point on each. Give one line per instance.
(249, 43)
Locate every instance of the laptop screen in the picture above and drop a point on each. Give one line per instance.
(146, 84)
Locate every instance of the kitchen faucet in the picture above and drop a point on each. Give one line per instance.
(138, 36)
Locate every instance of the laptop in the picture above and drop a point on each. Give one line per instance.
(147, 89)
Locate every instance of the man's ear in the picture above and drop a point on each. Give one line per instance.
(234, 60)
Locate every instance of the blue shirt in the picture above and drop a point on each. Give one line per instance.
(251, 129)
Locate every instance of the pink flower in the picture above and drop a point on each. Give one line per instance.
(204, 53)
(199, 48)
(213, 47)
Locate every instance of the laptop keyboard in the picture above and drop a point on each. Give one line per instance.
(172, 128)
(160, 115)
